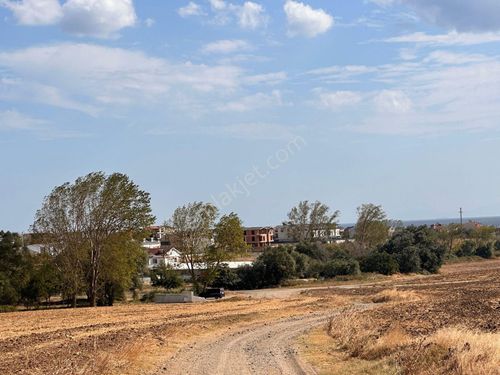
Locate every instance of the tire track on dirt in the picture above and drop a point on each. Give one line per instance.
(260, 349)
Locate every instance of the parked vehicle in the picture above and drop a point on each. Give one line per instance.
(213, 293)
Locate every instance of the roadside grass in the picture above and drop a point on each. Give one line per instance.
(320, 350)
(395, 295)
(454, 351)
(360, 343)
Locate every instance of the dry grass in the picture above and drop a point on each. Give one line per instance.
(395, 295)
(317, 348)
(457, 351)
(360, 337)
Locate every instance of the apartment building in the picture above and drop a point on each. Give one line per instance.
(259, 237)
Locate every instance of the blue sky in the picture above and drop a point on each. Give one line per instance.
(254, 105)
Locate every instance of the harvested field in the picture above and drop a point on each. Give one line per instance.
(443, 324)
(259, 329)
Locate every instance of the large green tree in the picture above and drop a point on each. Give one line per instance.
(372, 226)
(13, 272)
(311, 221)
(205, 243)
(228, 244)
(79, 221)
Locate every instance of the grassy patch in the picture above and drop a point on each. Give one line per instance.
(320, 350)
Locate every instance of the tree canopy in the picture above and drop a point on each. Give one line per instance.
(89, 226)
(311, 221)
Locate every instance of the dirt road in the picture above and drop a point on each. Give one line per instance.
(260, 349)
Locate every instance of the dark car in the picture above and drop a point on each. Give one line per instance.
(213, 293)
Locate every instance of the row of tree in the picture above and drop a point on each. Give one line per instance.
(91, 232)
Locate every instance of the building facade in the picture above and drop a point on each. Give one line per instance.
(259, 237)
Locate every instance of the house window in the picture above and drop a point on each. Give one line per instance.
(253, 238)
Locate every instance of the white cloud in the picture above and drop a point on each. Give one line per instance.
(449, 39)
(99, 18)
(451, 58)
(226, 46)
(306, 21)
(35, 12)
(252, 102)
(192, 9)
(266, 78)
(97, 80)
(337, 99)
(463, 15)
(249, 15)
(393, 101)
(14, 120)
(218, 4)
(252, 16)
(149, 22)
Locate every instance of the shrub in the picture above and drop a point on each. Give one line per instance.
(249, 277)
(485, 251)
(274, 265)
(313, 251)
(467, 249)
(166, 277)
(497, 245)
(226, 278)
(410, 242)
(409, 260)
(339, 267)
(380, 262)
(301, 263)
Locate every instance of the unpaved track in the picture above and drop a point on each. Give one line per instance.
(265, 349)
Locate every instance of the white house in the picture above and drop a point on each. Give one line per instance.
(282, 233)
(170, 257)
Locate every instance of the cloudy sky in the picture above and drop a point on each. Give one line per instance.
(254, 105)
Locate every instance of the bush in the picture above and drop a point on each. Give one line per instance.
(250, 277)
(301, 263)
(497, 245)
(226, 278)
(313, 251)
(166, 277)
(380, 262)
(467, 249)
(411, 242)
(340, 267)
(275, 265)
(409, 260)
(485, 251)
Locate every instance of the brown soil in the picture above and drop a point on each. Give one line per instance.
(146, 338)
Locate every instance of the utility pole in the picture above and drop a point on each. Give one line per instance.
(461, 220)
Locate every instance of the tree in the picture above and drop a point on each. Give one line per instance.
(228, 243)
(166, 277)
(123, 259)
(449, 235)
(13, 268)
(380, 262)
(274, 265)
(485, 250)
(192, 227)
(467, 249)
(372, 228)
(416, 249)
(79, 221)
(311, 221)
